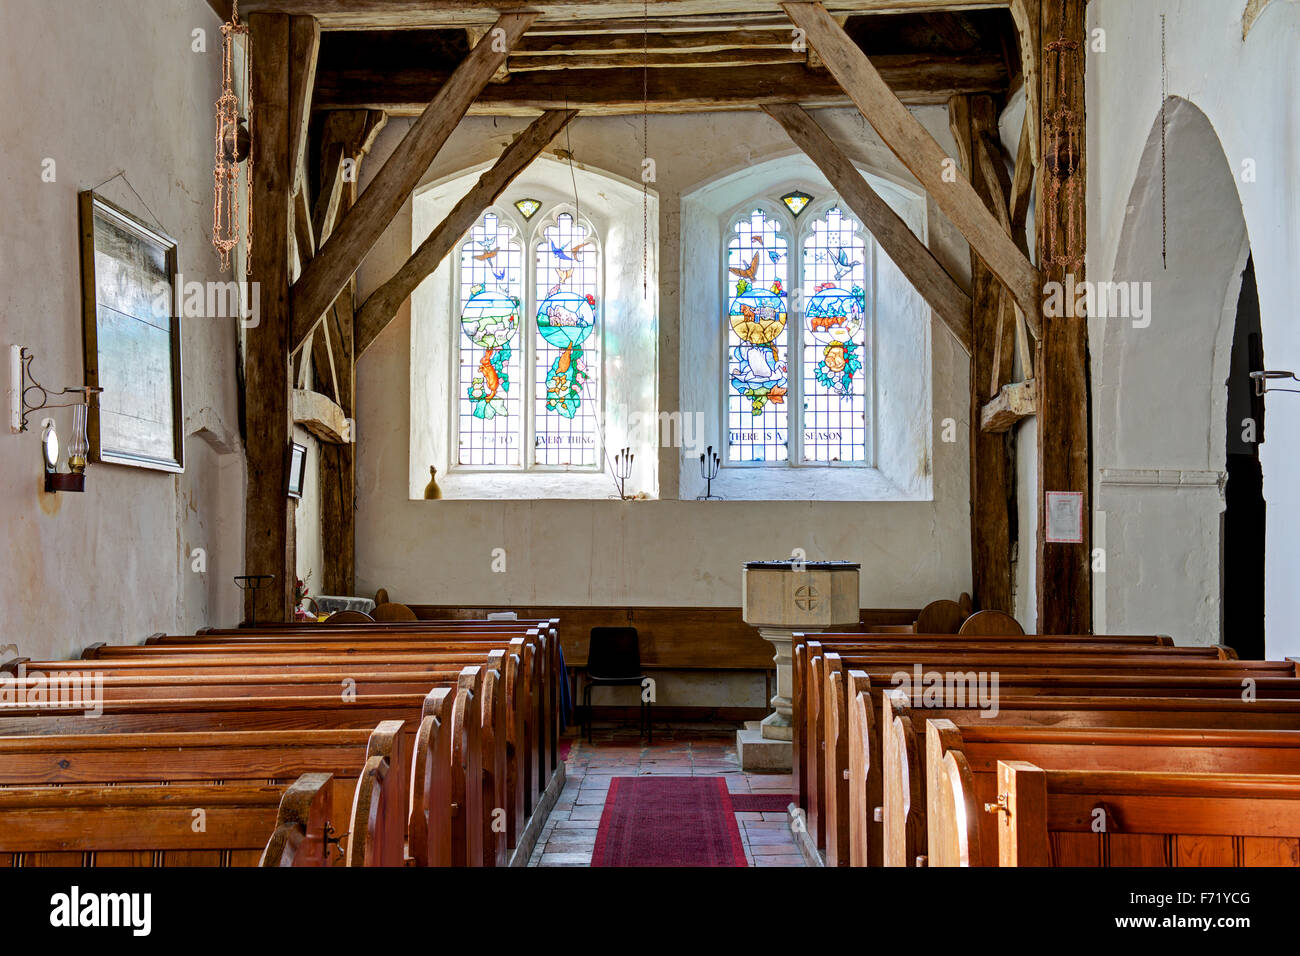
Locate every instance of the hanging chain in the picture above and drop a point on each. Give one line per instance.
(226, 219)
(645, 149)
(1164, 128)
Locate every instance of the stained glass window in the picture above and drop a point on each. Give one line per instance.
(757, 359)
(567, 345)
(796, 201)
(818, 414)
(834, 283)
(491, 286)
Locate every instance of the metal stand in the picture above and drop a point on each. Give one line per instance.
(252, 582)
(709, 464)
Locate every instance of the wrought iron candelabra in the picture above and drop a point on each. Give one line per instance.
(623, 470)
(709, 463)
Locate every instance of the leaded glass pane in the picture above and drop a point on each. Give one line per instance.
(757, 360)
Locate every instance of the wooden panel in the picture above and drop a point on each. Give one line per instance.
(685, 637)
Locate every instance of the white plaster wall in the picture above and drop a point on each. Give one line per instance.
(665, 552)
(1246, 90)
(99, 88)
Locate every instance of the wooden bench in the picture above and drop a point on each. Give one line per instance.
(962, 764)
(244, 825)
(827, 697)
(903, 815)
(368, 771)
(837, 641)
(1154, 819)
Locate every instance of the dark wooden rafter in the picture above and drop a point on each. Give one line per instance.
(943, 293)
(920, 153)
(558, 14)
(916, 79)
(1064, 574)
(356, 234)
(972, 121)
(269, 518)
(382, 304)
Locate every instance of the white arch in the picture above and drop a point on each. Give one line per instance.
(1159, 389)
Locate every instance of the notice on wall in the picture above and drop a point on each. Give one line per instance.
(1064, 517)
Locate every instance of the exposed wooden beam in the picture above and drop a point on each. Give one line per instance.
(1064, 573)
(916, 79)
(379, 309)
(304, 49)
(303, 234)
(320, 416)
(420, 14)
(992, 486)
(682, 43)
(1022, 186)
(914, 260)
(1026, 16)
(616, 61)
(695, 24)
(269, 515)
(1015, 401)
(919, 152)
(365, 222)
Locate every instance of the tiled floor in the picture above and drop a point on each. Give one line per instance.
(570, 833)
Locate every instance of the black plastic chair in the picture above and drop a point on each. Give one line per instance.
(614, 660)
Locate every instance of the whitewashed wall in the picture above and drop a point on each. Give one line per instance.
(1160, 391)
(664, 552)
(98, 88)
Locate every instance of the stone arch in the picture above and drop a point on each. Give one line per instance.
(1160, 387)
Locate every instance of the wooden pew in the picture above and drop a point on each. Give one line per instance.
(836, 641)
(827, 707)
(448, 814)
(1109, 678)
(447, 637)
(377, 824)
(506, 779)
(904, 813)
(244, 825)
(1156, 819)
(962, 774)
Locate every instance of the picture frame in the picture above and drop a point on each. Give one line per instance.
(132, 339)
(297, 469)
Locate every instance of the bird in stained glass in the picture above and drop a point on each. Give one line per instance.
(498, 274)
(487, 253)
(749, 271)
(841, 263)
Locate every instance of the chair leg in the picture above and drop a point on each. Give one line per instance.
(586, 709)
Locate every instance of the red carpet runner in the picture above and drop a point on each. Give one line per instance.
(761, 802)
(668, 821)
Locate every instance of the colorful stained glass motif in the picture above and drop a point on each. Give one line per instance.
(566, 285)
(565, 320)
(796, 201)
(490, 292)
(528, 207)
(834, 394)
(490, 320)
(758, 365)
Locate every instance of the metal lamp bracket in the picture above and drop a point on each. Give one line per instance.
(27, 384)
(1262, 377)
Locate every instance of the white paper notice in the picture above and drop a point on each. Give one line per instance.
(1065, 517)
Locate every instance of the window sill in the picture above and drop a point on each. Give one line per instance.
(808, 483)
(526, 486)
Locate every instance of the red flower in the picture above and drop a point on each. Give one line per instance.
(591, 300)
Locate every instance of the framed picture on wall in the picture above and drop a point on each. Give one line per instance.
(297, 468)
(132, 335)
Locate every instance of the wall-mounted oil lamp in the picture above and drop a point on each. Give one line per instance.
(74, 479)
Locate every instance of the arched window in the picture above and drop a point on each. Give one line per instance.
(529, 326)
(818, 415)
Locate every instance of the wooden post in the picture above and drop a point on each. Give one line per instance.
(269, 521)
(992, 486)
(1064, 459)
